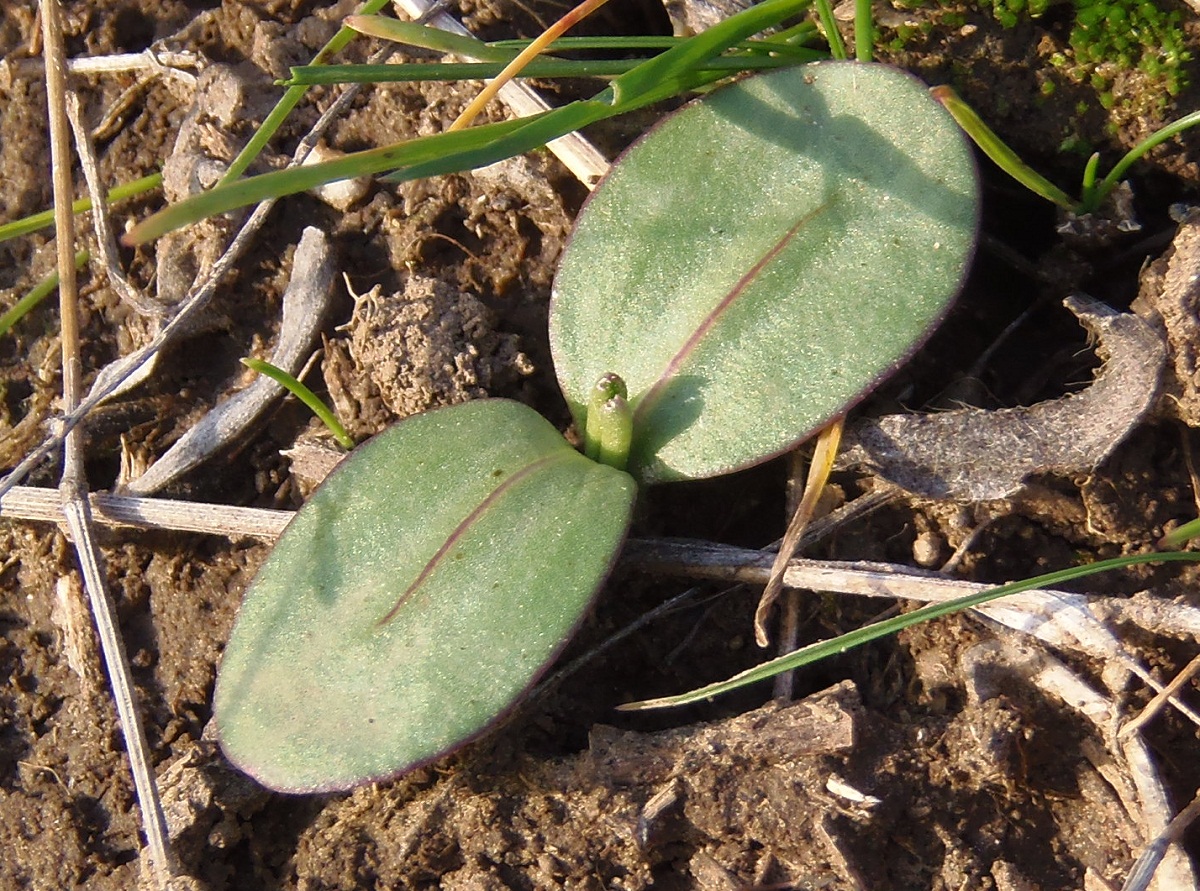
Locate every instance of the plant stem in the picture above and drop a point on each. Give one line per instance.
(608, 427)
(833, 36)
(838, 645)
(73, 485)
(544, 68)
(34, 222)
(291, 99)
(1157, 138)
(305, 395)
(36, 295)
(527, 55)
(996, 149)
(864, 31)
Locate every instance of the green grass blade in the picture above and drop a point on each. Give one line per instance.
(656, 76)
(837, 49)
(1180, 535)
(45, 219)
(39, 292)
(308, 397)
(665, 75)
(615, 44)
(299, 179)
(1088, 187)
(505, 50)
(826, 648)
(996, 149)
(291, 98)
(542, 68)
(426, 37)
(534, 133)
(864, 31)
(1157, 138)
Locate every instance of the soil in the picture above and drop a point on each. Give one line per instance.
(890, 771)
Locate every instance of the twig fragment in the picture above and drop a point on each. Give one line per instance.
(106, 242)
(1160, 700)
(73, 487)
(42, 505)
(1143, 871)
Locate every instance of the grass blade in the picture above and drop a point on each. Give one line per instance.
(45, 219)
(838, 645)
(305, 395)
(309, 75)
(36, 295)
(665, 75)
(998, 151)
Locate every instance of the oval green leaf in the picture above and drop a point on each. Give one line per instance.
(415, 596)
(762, 259)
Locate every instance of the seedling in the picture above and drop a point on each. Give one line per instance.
(746, 272)
(305, 395)
(688, 65)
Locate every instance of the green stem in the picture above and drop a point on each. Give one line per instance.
(1178, 536)
(833, 36)
(864, 31)
(838, 645)
(1088, 188)
(995, 148)
(309, 75)
(36, 295)
(305, 395)
(425, 37)
(665, 75)
(1157, 138)
(45, 219)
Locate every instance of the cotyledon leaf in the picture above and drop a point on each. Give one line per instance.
(415, 596)
(761, 259)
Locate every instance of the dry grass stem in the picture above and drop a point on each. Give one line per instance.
(73, 488)
(1143, 871)
(123, 511)
(136, 367)
(818, 474)
(1059, 618)
(1160, 700)
(106, 242)
(168, 64)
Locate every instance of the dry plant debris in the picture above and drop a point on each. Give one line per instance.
(980, 455)
(1170, 299)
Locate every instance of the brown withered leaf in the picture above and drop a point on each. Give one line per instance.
(981, 455)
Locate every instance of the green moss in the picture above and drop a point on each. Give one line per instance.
(1129, 34)
(1075, 145)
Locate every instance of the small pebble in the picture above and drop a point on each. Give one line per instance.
(927, 549)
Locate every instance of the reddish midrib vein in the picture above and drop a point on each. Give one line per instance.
(461, 529)
(656, 389)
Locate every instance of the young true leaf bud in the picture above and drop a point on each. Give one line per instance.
(599, 417)
(616, 432)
